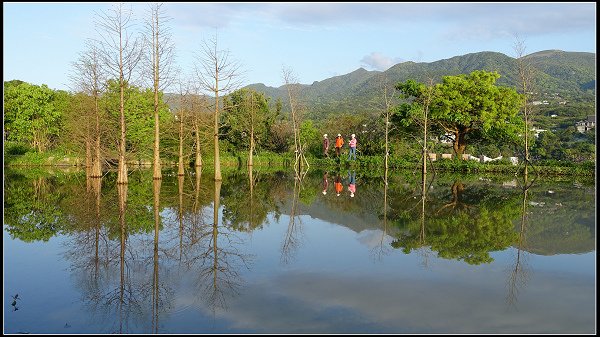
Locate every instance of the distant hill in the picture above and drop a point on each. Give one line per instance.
(570, 74)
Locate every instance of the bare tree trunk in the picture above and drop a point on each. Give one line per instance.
(89, 78)
(250, 156)
(186, 108)
(387, 96)
(426, 104)
(88, 152)
(160, 64)
(216, 129)
(197, 189)
(120, 55)
(292, 87)
(526, 74)
(198, 161)
(252, 113)
(217, 66)
(122, 170)
(180, 170)
(157, 167)
(97, 169)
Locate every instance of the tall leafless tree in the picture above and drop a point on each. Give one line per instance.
(200, 110)
(426, 104)
(217, 74)
(385, 104)
(158, 61)
(293, 90)
(526, 74)
(89, 77)
(181, 114)
(120, 53)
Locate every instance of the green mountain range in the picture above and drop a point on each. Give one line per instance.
(569, 75)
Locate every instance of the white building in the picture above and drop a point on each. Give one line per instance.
(583, 126)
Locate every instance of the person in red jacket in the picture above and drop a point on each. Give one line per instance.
(339, 142)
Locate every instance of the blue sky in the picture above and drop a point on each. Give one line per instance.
(314, 40)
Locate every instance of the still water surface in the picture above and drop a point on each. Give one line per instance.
(479, 255)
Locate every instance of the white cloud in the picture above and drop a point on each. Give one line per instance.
(379, 61)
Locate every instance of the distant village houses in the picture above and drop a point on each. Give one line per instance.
(583, 126)
(536, 131)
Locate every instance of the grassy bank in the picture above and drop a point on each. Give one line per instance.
(371, 163)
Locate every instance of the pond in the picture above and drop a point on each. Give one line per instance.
(269, 253)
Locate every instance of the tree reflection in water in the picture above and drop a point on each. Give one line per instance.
(156, 307)
(474, 223)
(518, 275)
(293, 235)
(214, 253)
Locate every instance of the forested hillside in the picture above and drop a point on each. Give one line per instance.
(571, 75)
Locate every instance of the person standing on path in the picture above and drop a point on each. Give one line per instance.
(352, 144)
(325, 146)
(339, 142)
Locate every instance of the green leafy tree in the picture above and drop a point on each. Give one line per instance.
(310, 136)
(32, 114)
(467, 106)
(247, 120)
(138, 108)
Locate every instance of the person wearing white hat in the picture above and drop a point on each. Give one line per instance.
(325, 146)
(352, 144)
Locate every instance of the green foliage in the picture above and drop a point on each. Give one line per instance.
(464, 104)
(564, 145)
(139, 117)
(12, 148)
(247, 110)
(469, 224)
(31, 210)
(242, 210)
(32, 114)
(311, 138)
